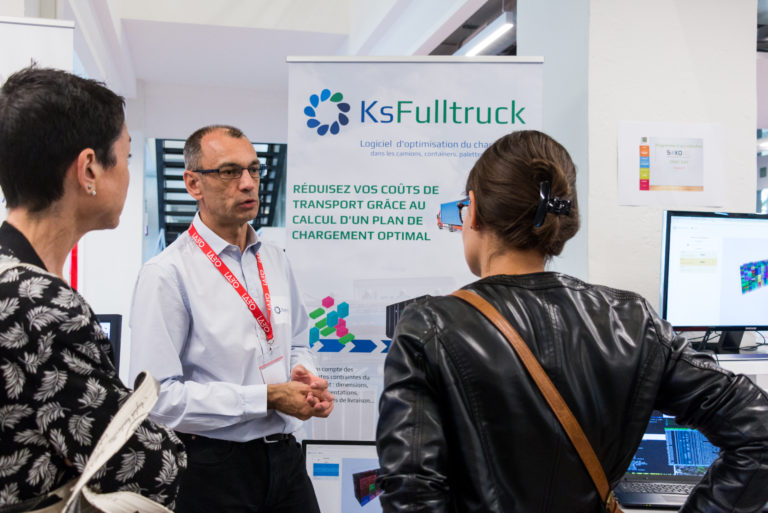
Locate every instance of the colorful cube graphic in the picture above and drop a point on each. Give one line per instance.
(365, 486)
(329, 322)
(754, 275)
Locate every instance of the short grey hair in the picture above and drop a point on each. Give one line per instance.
(193, 151)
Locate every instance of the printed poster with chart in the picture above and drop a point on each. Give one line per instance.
(378, 154)
(669, 164)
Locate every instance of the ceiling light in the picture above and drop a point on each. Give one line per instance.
(488, 35)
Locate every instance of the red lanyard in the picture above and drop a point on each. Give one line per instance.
(264, 322)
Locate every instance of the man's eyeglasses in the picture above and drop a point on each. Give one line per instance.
(233, 172)
(461, 205)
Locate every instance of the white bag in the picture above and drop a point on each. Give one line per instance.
(75, 496)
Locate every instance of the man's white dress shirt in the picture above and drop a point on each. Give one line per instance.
(192, 331)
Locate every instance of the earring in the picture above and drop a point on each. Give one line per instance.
(90, 191)
(93, 192)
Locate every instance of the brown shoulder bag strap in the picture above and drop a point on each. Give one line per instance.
(550, 393)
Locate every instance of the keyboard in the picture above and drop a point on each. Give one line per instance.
(663, 488)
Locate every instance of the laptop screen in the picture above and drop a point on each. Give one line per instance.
(669, 449)
(343, 474)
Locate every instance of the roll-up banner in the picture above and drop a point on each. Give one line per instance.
(378, 154)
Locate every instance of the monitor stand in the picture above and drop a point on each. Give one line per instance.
(729, 341)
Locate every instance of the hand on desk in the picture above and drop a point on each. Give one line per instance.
(305, 396)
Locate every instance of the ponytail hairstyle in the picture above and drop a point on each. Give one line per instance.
(507, 180)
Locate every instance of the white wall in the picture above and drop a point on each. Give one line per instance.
(680, 61)
(13, 8)
(558, 30)
(303, 15)
(762, 90)
(173, 111)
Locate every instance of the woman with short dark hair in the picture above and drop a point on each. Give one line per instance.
(463, 427)
(64, 150)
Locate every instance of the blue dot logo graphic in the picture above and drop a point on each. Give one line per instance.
(325, 126)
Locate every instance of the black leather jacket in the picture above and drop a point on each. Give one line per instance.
(463, 428)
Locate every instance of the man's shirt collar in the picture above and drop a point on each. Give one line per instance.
(218, 244)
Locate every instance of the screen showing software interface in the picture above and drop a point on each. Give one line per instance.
(105, 327)
(344, 477)
(670, 449)
(717, 272)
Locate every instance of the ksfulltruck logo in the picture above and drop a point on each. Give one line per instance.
(316, 102)
(438, 111)
(441, 111)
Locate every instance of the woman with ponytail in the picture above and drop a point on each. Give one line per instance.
(463, 427)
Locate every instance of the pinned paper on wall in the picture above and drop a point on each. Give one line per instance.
(670, 164)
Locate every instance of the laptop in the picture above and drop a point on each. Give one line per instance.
(669, 462)
(343, 474)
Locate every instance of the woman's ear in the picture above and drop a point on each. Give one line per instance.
(474, 223)
(87, 170)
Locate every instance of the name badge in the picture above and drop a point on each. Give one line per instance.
(273, 372)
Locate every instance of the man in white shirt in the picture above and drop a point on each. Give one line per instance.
(217, 318)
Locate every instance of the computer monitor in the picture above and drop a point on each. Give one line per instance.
(111, 324)
(343, 474)
(393, 313)
(714, 274)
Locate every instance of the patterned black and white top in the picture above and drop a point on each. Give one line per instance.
(59, 390)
